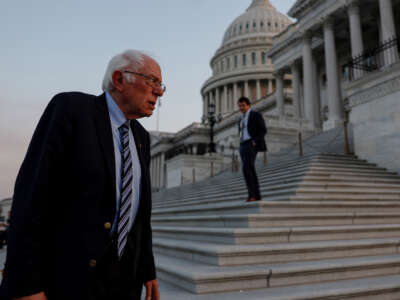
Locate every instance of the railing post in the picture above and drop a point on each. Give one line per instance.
(300, 144)
(236, 163)
(346, 139)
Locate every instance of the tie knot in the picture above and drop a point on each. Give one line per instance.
(124, 127)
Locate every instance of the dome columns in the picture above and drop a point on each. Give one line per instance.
(258, 89)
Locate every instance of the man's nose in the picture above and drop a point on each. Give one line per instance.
(158, 91)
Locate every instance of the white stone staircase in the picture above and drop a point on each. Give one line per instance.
(328, 227)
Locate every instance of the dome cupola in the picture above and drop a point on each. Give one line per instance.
(261, 18)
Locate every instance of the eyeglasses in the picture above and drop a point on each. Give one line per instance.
(153, 82)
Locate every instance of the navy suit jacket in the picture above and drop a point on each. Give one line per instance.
(257, 130)
(65, 195)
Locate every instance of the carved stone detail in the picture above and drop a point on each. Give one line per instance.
(375, 92)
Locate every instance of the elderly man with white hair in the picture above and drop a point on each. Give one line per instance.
(80, 220)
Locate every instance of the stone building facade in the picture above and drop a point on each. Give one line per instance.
(343, 58)
(240, 67)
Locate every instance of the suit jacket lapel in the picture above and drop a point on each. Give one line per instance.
(138, 141)
(104, 133)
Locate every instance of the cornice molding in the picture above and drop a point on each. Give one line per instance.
(378, 91)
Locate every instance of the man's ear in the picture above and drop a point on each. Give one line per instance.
(118, 80)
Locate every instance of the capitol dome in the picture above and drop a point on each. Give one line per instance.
(261, 18)
(240, 67)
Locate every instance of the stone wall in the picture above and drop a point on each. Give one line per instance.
(376, 125)
(180, 168)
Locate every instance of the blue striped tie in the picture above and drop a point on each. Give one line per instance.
(126, 188)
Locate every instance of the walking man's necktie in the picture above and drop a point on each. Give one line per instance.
(126, 189)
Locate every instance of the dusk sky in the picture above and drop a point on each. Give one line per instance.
(51, 46)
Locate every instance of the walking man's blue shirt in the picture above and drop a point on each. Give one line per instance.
(117, 118)
(245, 136)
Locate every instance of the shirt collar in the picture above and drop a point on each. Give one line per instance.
(116, 115)
(246, 115)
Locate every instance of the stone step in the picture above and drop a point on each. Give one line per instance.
(222, 191)
(200, 279)
(279, 193)
(344, 176)
(261, 171)
(382, 287)
(288, 174)
(291, 185)
(282, 206)
(278, 220)
(236, 255)
(338, 181)
(249, 236)
(293, 182)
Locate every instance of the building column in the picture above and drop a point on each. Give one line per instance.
(280, 97)
(270, 87)
(205, 105)
(152, 171)
(296, 90)
(162, 180)
(157, 170)
(225, 100)
(258, 89)
(317, 96)
(388, 30)
(333, 86)
(308, 79)
(246, 89)
(217, 102)
(210, 100)
(235, 96)
(357, 45)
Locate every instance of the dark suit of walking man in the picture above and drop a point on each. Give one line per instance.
(252, 130)
(80, 220)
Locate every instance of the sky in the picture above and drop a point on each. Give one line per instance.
(48, 47)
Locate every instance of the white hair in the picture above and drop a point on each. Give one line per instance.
(133, 59)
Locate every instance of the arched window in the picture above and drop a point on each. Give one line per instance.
(244, 59)
(253, 58)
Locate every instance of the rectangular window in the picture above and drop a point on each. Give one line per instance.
(253, 58)
(244, 60)
(228, 63)
(236, 61)
(263, 58)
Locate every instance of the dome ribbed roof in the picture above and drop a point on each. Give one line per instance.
(261, 17)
